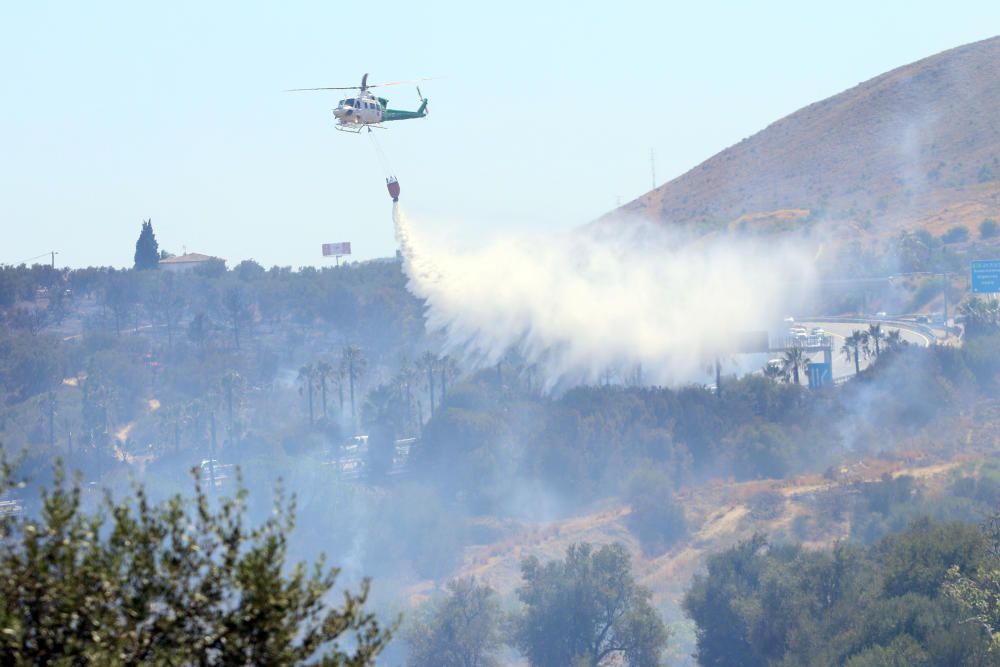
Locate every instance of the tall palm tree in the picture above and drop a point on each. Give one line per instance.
(355, 362)
(405, 378)
(428, 363)
(324, 371)
(307, 377)
(794, 359)
(447, 369)
(852, 349)
(894, 340)
(876, 334)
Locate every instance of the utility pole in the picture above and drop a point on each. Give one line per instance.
(53, 253)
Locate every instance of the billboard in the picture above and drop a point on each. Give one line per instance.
(986, 276)
(336, 249)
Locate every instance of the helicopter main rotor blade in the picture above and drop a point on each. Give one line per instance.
(298, 90)
(399, 83)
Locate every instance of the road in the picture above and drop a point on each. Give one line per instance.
(841, 330)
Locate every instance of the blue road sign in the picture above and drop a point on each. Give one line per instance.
(820, 375)
(986, 276)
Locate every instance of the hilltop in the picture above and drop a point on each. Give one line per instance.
(916, 147)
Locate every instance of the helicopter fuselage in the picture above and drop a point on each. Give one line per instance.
(367, 109)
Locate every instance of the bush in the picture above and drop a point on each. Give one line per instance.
(957, 234)
(989, 228)
(656, 519)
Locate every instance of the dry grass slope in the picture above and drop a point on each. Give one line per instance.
(918, 146)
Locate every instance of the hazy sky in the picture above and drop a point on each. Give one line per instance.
(544, 117)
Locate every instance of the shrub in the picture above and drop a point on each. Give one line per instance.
(656, 519)
(957, 234)
(989, 228)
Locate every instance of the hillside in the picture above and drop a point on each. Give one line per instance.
(916, 147)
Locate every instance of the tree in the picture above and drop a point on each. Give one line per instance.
(428, 363)
(355, 366)
(656, 518)
(989, 228)
(236, 310)
(978, 592)
(324, 371)
(460, 630)
(795, 359)
(894, 340)
(307, 378)
(853, 347)
(164, 584)
(875, 334)
(147, 255)
(957, 234)
(775, 371)
(587, 610)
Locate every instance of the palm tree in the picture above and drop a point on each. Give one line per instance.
(232, 385)
(876, 334)
(355, 363)
(307, 376)
(794, 359)
(852, 348)
(774, 371)
(894, 340)
(405, 378)
(448, 369)
(323, 371)
(428, 363)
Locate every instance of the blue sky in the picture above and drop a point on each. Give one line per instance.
(543, 119)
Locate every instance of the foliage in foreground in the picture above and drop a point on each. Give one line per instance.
(587, 610)
(461, 630)
(883, 604)
(163, 584)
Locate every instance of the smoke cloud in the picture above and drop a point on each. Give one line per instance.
(595, 300)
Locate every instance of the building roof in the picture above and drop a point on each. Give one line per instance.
(189, 258)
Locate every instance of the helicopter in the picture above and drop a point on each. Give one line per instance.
(365, 110)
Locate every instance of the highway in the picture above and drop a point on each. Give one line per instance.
(840, 330)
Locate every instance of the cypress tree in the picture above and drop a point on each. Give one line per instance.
(147, 254)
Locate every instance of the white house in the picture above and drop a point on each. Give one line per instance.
(187, 262)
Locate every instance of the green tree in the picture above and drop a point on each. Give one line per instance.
(324, 372)
(894, 340)
(307, 380)
(656, 518)
(794, 360)
(853, 346)
(163, 584)
(876, 335)
(428, 363)
(587, 610)
(354, 363)
(147, 254)
(989, 228)
(957, 234)
(461, 629)
(775, 371)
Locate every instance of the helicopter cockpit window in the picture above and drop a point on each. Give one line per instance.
(349, 102)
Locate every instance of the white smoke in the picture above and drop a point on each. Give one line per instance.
(597, 300)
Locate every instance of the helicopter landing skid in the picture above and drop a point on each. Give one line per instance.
(355, 129)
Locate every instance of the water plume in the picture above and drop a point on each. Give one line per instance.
(602, 299)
